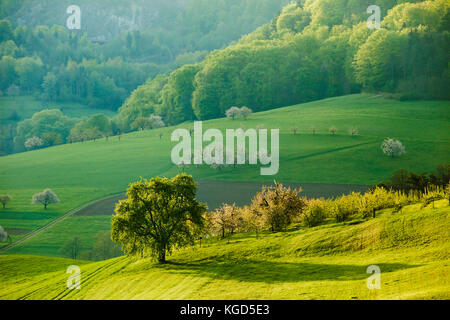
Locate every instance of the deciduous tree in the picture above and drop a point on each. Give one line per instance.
(158, 215)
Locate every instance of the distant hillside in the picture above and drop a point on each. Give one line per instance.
(208, 23)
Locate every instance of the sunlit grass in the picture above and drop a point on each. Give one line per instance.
(326, 262)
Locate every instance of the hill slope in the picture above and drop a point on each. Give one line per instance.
(327, 262)
(82, 172)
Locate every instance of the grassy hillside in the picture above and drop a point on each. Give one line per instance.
(81, 172)
(327, 262)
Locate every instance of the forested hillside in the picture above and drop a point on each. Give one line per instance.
(119, 46)
(310, 50)
(313, 49)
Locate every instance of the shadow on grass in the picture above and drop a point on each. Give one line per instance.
(277, 272)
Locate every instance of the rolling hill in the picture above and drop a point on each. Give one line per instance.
(82, 172)
(328, 262)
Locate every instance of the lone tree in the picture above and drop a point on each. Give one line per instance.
(4, 199)
(3, 235)
(158, 215)
(294, 130)
(392, 148)
(233, 113)
(245, 112)
(353, 131)
(45, 197)
(333, 130)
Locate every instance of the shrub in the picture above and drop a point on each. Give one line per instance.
(277, 205)
(346, 206)
(314, 213)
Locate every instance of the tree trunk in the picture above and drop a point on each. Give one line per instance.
(162, 256)
(45, 206)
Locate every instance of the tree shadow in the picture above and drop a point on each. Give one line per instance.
(276, 272)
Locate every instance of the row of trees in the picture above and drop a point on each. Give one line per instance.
(162, 214)
(403, 180)
(353, 131)
(51, 127)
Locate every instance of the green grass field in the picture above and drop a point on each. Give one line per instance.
(82, 172)
(326, 262)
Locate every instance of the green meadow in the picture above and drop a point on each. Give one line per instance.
(82, 172)
(326, 262)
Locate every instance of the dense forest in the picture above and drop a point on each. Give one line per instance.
(311, 49)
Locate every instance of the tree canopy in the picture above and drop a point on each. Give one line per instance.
(158, 215)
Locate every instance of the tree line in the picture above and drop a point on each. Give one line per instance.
(161, 214)
(311, 50)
